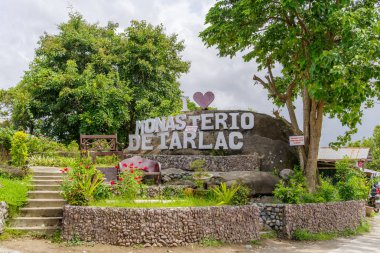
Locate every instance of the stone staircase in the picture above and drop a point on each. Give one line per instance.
(44, 210)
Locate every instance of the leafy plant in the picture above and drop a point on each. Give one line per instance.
(327, 192)
(224, 194)
(81, 184)
(169, 192)
(317, 52)
(110, 79)
(129, 182)
(352, 184)
(294, 190)
(200, 172)
(198, 164)
(13, 172)
(241, 197)
(19, 150)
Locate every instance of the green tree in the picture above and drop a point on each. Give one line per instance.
(91, 79)
(326, 52)
(373, 143)
(19, 149)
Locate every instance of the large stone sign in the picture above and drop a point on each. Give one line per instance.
(218, 133)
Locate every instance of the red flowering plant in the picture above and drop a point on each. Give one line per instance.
(82, 184)
(129, 182)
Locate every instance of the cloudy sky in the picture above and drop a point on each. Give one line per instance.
(22, 22)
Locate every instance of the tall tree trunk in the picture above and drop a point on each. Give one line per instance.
(315, 126)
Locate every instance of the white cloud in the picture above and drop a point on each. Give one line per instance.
(24, 21)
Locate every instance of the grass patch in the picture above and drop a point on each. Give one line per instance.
(14, 192)
(177, 202)
(269, 235)
(56, 237)
(211, 242)
(255, 242)
(11, 234)
(303, 235)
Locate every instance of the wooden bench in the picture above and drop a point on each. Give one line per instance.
(152, 168)
(100, 145)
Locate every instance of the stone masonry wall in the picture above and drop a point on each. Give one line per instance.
(161, 226)
(323, 217)
(272, 216)
(213, 163)
(3, 215)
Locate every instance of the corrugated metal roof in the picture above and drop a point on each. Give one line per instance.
(329, 154)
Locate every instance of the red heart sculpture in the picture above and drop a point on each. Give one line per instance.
(204, 100)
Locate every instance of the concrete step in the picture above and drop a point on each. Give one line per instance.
(45, 182)
(55, 187)
(47, 177)
(44, 194)
(37, 230)
(36, 222)
(41, 212)
(46, 202)
(38, 174)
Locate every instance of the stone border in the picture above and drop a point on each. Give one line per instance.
(3, 216)
(213, 163)
(161, 226)
(318, 217)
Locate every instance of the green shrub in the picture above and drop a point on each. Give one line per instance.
(169, 192)
(102, 192)
(19, 150)
(56, 161)
(107, 160)
(13, 173)
(327, 192)
(241, 196)
(73, 147)
(44, 145)
(223, 194)
(294, 191)
(352, 183)
(6, 134)
(81, 183)
(198, 164)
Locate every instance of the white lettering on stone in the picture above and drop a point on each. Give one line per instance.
(184, 104)
(194, 119)
(134, 142)
(201, 144)
(189, 137)
(139, 127)
(220, 141)
(149, 126)
(175, 142)
(160, 125)
(231, 140)
(247, 120)
(180, 119)
(163, 137)
(205, 120)
(234, 125)
(170, 126)
(146, 140)
(220, 120)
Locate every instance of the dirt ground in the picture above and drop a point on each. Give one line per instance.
(267, 246)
